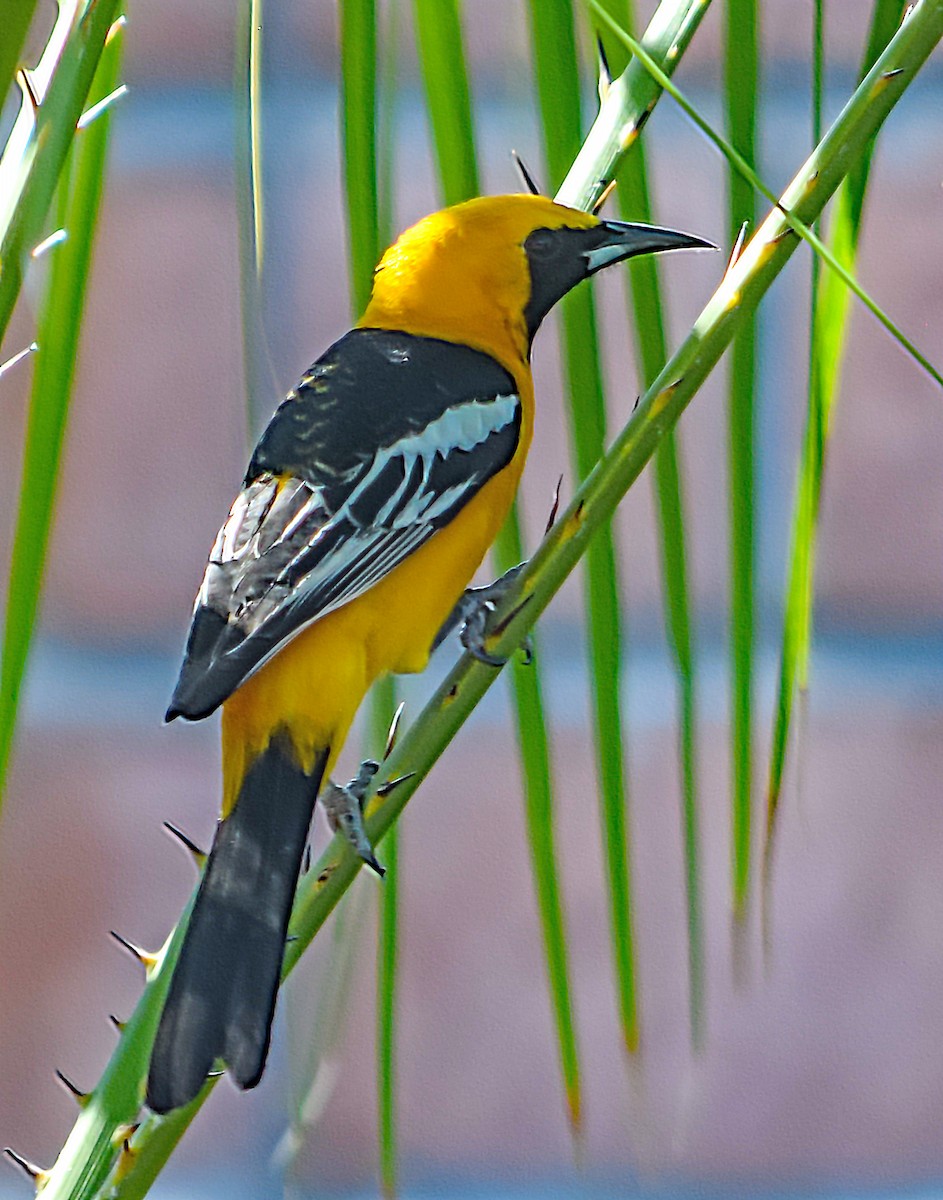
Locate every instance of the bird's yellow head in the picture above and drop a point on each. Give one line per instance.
(488, 271)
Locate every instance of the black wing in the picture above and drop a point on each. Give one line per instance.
(387, 437)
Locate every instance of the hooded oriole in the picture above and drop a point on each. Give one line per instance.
(368, 505)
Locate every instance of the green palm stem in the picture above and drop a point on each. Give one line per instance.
(31, 164)
(557, 76)
(651, 348)
(368, 231)
(828, 336)
(449, 105)
(741, 68)
(30, 170)
(92, 1148)
(629, 102)
(626, 104)
(259, 375)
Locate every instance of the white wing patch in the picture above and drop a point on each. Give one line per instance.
(406, 517)
(459, 428)
(279, 525)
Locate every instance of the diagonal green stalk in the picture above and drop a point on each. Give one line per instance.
(83, 1166)
(651, 347)
(29, 171)
(797, 226)
(831, 301)
(449, 106)
(40, 139)
(556, 72)
(629, 100)
(741, 69)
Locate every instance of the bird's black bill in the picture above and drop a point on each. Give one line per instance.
(560, 258)
(619, 240)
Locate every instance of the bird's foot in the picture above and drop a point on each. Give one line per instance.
(473, 615)
(343, 807)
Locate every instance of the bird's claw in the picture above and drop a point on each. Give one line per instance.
(343, 807)
(474, 612)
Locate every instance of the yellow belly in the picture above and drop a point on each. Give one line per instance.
(313, 687)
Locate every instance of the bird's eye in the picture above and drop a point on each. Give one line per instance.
(541, 243)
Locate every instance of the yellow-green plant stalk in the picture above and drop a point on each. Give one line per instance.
(54, 97)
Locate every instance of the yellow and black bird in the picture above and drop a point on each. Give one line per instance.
(369, 503)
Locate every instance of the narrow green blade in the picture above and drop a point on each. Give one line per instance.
(740, 164)
(36, 149)
(648, 329)
(367, 234)
(358, 46)
(448, 98)
(829, 329)
(260, 378)
(383, 704)
(558, 88)
(741, 83)
(448, 102)
(58, 333)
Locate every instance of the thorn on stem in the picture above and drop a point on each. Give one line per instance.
(119, 1025)
(196, 853)
(25, 79)
(394, 730)
(124, 1133)
(554, 506)
(80, 1097)
(526, 175)
(37, 1174)
(604, 82)
(737, 248)
(385, 788)
(306, 860)
(126, 1156)
(147, 961)
(604, 196)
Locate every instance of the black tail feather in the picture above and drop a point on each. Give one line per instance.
(222, 995)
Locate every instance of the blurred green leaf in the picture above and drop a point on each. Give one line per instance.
(449, 104)
(558, 87)
(651, 347)
(741, 90)
(260, 377)
(831, 299)
(31, 164)
(58, 332)
(796, 226)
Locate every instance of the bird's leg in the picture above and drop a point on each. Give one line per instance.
(472, 614)
(343, 807)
